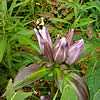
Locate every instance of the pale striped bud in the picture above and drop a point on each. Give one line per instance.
(43, 36)
(60, 51)
(74, 52)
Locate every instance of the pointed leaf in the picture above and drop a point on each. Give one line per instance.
(21, 95)
(12, 7)
(69, 93)
(24, 40)
(2, 47)
(54, 98)
(79, 85)
(9, 91)
(12, 95)
(4, 9)
(29, 74)
(60, 20)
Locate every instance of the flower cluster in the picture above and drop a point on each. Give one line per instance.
(64, 49)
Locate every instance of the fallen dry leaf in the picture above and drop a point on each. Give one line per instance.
(89, 31)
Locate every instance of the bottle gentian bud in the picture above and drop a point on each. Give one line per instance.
(74, 52)
(70, 37)
(60, 51)
(43, 36)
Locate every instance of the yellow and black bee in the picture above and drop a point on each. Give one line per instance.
(40, 23)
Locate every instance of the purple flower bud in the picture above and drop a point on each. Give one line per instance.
(60, 51)
(70, 37)
(75, 51)
(43, 36)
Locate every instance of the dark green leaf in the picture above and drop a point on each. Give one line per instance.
(9, 91)
(27, 41)
(12, 7)
(3, 43)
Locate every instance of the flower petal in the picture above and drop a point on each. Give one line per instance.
(40, 40)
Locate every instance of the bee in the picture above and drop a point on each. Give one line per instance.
(40, 23)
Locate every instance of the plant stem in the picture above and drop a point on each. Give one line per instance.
(52, 88)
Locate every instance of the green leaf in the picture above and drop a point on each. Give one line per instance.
(76, 11)
(12, 7)
(21, 95)
(93, 81)
(24, 40)
(69, 15)
(3, 43)
(22, 64)
(89, 47)
(21, 3)
(76, 22)
(29, 74)
(85, 21)
(27, 56)
(69, 93)
(97, 95)
(79, 86)
(9, 91)
(4, 7)
(26, 32)
(60, 20)
(12, 95)
(91, 5)
(66, 1)
(54, 98)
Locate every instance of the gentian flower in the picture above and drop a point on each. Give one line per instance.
(64, 49)
(45, 43)
(43, 37)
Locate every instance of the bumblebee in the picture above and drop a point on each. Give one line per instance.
(40, 23)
